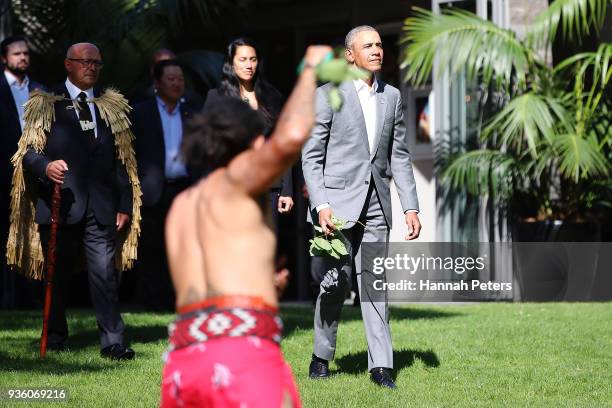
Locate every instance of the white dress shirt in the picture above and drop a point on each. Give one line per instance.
(367, 100)
(20, 92)
(74, 92)
(172, 128)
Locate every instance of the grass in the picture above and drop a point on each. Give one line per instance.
(549, 355)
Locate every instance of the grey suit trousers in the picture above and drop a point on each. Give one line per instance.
(335, 283)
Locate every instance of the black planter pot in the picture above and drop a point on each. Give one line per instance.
(561, 261)
(556, 231)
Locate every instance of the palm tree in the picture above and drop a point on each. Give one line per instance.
(551, 139)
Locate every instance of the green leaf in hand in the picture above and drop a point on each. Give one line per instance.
(334, 254)
(315, 251)
(322, 243)
(338, 223)
(338, 246)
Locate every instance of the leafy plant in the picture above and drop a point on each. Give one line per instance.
(333, 244)
(336, 71)
(551, 140)
(126, 31)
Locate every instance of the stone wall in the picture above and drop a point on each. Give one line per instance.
(523, 12)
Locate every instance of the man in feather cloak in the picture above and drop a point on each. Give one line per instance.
(80, 139)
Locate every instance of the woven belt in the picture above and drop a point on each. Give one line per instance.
(230, 320)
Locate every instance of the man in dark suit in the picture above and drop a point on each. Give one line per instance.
(348, 163)
(80, 155)
(189, 97)
(15, 87)
(158, 126)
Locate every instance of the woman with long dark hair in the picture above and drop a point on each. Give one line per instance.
(243, 78)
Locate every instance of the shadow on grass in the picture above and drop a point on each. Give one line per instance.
(295, 318)
(20, 320)
(54, 363)
(20, 343)
(133, 334)
(357, 363)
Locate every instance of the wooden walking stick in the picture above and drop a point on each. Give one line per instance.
(55, 207)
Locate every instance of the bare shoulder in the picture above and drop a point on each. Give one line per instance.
(182, 209)
(214, 187)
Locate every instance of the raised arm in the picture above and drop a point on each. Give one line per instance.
(256, 169)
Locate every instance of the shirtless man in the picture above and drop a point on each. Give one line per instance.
(224, 347)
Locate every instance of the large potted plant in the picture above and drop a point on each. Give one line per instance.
(544, 156)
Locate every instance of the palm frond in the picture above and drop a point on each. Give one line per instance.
(482, 172)
(527, 119)
(41, 21)
(179, 11)
(463, 41)
(600, 61)
(576, 17)
(580, 158)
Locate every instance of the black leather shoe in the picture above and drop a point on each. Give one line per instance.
(382, 377)
(319, 368)
(117, 352)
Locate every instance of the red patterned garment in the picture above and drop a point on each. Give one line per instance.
(227, 357)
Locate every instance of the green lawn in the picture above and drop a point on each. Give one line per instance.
(549, 355)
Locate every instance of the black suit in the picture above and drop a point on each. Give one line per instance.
(10, 132)
(150, 148)
(154, 288)
(191, 98)
(95, 177)
(95, 188)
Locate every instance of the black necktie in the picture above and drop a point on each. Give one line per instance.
(85, 119)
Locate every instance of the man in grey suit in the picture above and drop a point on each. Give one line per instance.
(347, 164)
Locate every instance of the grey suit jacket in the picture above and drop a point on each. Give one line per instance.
(338, 164)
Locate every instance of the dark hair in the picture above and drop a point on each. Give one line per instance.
(269, 99)
(157, 53)
(213, 138)
(10, 40)
(158, 69)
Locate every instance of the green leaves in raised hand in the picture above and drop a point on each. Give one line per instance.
(337, 71)
(335, 99)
